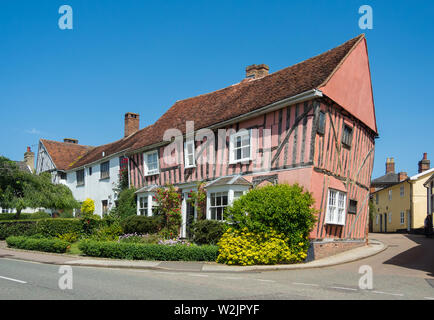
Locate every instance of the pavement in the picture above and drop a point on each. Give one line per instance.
(374, 247)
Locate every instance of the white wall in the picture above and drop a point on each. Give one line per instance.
(94, 188)
(44, 162)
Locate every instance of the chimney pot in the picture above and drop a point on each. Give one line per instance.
(29, 158)
(402, 176)
(257, 71)
(390, 165)
(424, 164)
(132, 123)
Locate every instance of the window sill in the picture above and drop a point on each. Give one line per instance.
(240, 161)
(80, 185)
(190, 167)
(106, 178)
(151, 174)
(335, 224)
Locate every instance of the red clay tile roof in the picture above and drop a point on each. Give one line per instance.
(218, 106)
(64, 153)
(248, 95)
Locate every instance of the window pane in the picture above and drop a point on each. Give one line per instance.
(218, 200)
(213, 213)
(238, 142)
(238, 154)
(225, 200)
(212, 199)
(246, 152)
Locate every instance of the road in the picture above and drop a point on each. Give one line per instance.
(404, 271)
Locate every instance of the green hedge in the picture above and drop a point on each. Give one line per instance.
(17, 228)
(207, 231)
(142, 224)
(25, 216)
(48, 227)
(136, 251)
(46, 245)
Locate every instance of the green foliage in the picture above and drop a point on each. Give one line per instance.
(207, 231)
(136, 251)
(39, 244)
(54, 227)
(126, 205)
(136, 238)
(66, 215)
(17, 228)
(248, 248)
(107, 233)
(169, 206)
(286, 209)
(142, 224)
(48, 227)
(20, 190)
(25, 216)
(70, 237)
(87, 207)
(198, 200)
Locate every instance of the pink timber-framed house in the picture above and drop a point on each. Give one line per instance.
(312, 123)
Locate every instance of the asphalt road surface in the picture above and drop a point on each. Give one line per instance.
(404, 271)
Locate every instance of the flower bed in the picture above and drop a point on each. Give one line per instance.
(141, 251)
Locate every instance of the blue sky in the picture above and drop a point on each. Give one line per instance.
(142, 56)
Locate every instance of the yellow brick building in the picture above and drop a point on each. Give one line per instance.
(400, 201)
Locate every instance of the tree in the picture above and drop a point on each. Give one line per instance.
(20, 190)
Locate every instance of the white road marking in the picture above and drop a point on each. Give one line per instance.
(429, 298)
(306, 284)
(343, 288)
(232, 278)
(198, 275)
(264, 280)
(15, 280)
(389, 293)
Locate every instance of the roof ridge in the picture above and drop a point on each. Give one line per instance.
(360, 36)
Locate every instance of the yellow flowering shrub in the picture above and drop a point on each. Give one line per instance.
(88, 207)
(241, 247)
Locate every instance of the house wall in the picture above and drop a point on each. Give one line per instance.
(44, 162)
(346, 169)
(419, 201)
(395, 206)
(298, 155)
(414, 201)
(95, 188)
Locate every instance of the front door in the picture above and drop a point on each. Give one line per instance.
(188, 215)
(385, 222)
(381, 223)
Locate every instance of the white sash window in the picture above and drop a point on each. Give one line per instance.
(336, 207)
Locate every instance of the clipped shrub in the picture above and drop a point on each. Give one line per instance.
(139, 238)
(66, 215)
(70, 237)
(207, 231)
(136, 251)
(40, 215)
(54, 227)
(17, 228)
(247, 248)
(107, 233)
(25, 216)
(142, 224)
(284, 208)
(39, 244)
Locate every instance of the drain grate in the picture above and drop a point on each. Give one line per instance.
(430, 282)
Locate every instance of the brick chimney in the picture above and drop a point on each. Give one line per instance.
(402, 176)
(68, 140)
(132, 123)
(390, 165)
(424, 164)
(29, 158)
(257, 71)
